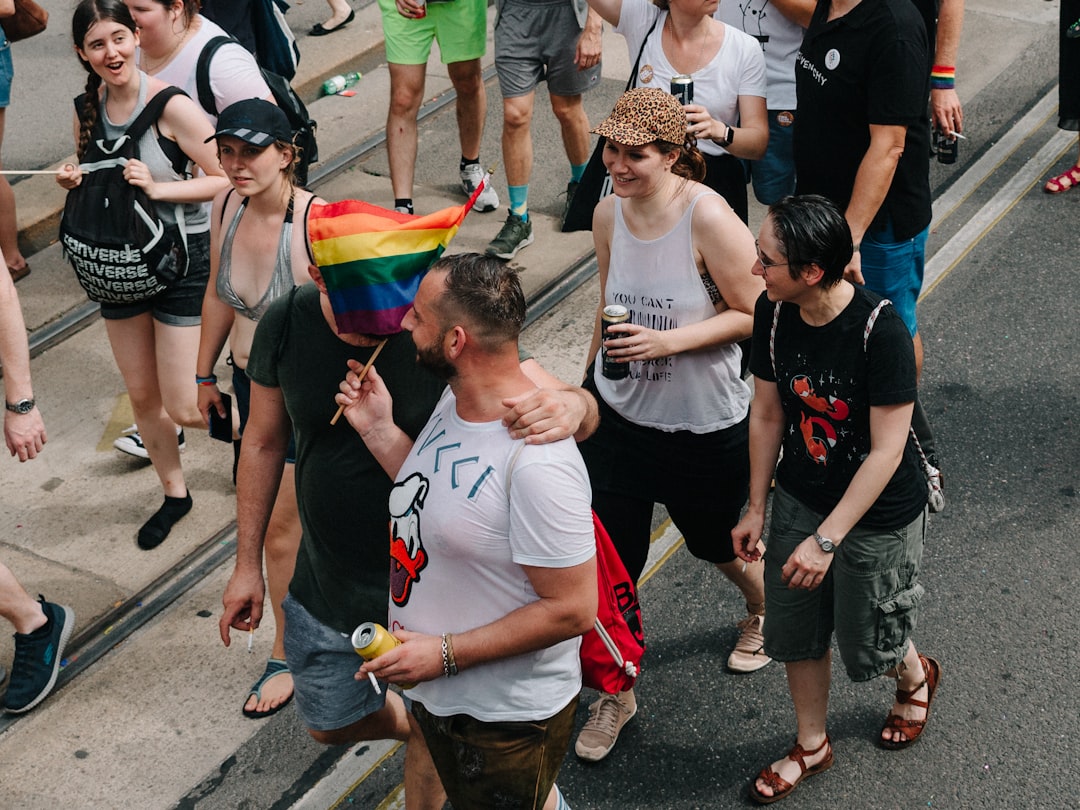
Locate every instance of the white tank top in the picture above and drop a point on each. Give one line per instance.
(658, 282)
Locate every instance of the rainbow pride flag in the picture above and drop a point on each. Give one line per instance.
(372, 259)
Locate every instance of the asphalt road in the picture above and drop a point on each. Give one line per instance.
(1000, 331)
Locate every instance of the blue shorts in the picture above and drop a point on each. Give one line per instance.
(180, 304)
(323, 662)
(535, 42)
(870, 595)
(773, 175)
(7, 71)
(894, 270)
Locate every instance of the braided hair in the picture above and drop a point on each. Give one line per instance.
(87, 14)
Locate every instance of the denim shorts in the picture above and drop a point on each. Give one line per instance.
(181, 303)
(241, 384)
(323, 662)
(7, 71)
(870, 595)
(460, 27)
(497, 765)
(894, 270)
(535, 42)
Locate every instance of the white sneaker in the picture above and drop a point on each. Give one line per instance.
(749, 653)
(471, 176)
(607, 716)
(130, 442)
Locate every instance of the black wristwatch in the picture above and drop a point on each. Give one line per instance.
(22, 406)
(729, 136)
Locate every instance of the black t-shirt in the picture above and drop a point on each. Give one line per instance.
(928, 9)
(867, 67)
(343, 565)
(827, 384)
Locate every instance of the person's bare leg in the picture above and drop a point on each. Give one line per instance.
(406, 92)
(574, 124)
(517, 146)
(9, 228)
(468, 81)
(423, 788)
(17, 606)
(339, 12)
(280, 547)
(908, 675)
(808, 682)
(132, 342)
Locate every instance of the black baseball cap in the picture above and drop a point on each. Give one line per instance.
(255, 121)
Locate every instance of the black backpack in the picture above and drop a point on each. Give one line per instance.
(303, 126)
(110, 231)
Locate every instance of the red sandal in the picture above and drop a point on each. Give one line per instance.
(780, 787)
(913, 728)
(1064, 181)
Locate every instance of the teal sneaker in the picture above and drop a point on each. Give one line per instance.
(515, 234)
(37, 658)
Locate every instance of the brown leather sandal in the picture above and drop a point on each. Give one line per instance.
(780, 787)
(19, 273)
(1064, 181)
(913, 728)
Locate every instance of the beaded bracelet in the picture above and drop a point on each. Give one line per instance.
(943, 77)
(211, 380)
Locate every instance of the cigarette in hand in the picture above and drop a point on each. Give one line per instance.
(374, 683)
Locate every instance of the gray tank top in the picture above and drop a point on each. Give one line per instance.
(196, 215)
(280, 282)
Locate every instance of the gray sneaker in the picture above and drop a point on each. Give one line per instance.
(515, 234)
(471, 176)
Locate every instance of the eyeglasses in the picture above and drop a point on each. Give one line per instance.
(764, 264)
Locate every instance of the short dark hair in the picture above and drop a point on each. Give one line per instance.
(484, 292)
(812, 230)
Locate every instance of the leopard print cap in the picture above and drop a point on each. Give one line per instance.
(644, 115)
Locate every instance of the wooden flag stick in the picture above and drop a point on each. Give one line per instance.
(363, 373)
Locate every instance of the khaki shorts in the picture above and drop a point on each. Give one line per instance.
(459, 26)
(869, 597)
(497, 765)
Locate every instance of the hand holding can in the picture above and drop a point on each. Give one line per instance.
(370, 640)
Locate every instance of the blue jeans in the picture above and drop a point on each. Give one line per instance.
(773, 175)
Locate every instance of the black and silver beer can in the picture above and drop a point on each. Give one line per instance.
(682, 87)
(946, 147)
(613, 314)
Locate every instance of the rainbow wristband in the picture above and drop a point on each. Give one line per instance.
(943, 77)
(211, 380)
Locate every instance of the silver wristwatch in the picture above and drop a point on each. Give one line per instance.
(827, 545)
(22, 406)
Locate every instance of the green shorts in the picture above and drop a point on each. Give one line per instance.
(459, 26)
(497, 765)
(870, 595)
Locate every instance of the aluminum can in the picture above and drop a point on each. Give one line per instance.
(612, 314)
(370, 640)
(946, 147)
(423, 11)
(682, 87)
